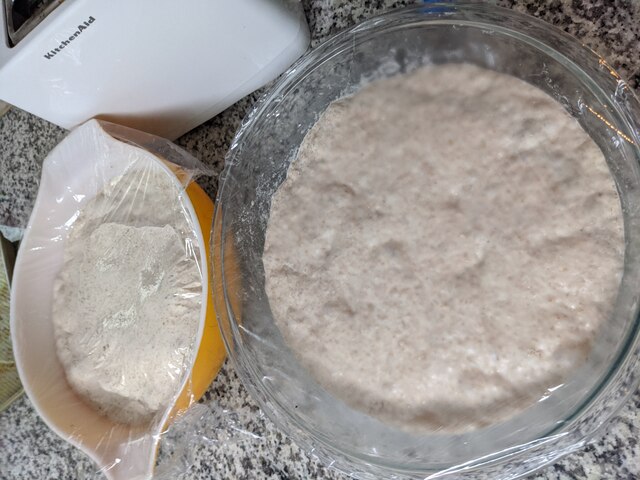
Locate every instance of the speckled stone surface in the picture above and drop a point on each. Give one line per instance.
(24, 142)
(235, 440)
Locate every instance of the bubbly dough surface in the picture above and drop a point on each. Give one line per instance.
(127, 300)
(444, 248)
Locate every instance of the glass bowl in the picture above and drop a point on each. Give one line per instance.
(266, 144)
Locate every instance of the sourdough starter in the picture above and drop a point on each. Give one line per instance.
(128, 297)
(444, 248)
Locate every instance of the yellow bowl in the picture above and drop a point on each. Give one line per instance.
(72, 174)
(211, 353)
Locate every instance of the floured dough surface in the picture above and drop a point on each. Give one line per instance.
(444, 248)
(128, 297)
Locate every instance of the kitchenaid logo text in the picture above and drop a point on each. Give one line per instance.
(81, 28)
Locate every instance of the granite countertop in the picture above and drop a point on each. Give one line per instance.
(242, 443)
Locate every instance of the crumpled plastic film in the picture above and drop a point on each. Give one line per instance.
(201, 427)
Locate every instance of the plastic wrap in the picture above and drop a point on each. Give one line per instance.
(112, 317)
(562, 419)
